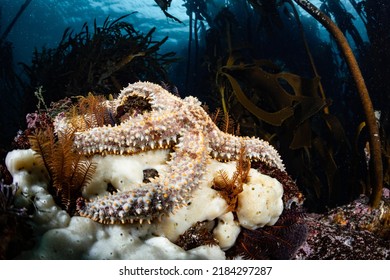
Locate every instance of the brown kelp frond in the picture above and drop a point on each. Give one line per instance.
(344, 20)
(14, 20)
(288, 110)
(291, 95)
(374, 135)
(164, 5)
(386, 159)
(230, 187)
(101, 59)
(268, 10)
(69, 171)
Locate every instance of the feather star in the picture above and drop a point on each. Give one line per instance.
(178, 124)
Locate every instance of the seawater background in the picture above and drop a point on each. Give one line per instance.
(44, 21)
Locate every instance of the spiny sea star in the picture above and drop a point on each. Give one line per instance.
(172, 122)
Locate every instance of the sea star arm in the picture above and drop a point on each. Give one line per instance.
(169, 122)
(162, 195)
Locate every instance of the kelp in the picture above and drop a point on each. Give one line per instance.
(197, 13)
(343, 19)
(14, 20)
(269, 13)
(308, 52)
(102, 59)
(273, 87)
(10, 112)
(375, 67)
(293, 112)
(164, 5)
(374, 136)
(287, 109)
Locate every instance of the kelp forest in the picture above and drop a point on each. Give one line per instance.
(311, 80)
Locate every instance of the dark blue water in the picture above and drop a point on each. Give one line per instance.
(44, 21)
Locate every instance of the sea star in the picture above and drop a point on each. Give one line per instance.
(171, 122)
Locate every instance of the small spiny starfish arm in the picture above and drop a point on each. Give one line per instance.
(172, 122)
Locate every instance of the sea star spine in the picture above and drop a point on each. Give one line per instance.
(172, 122)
